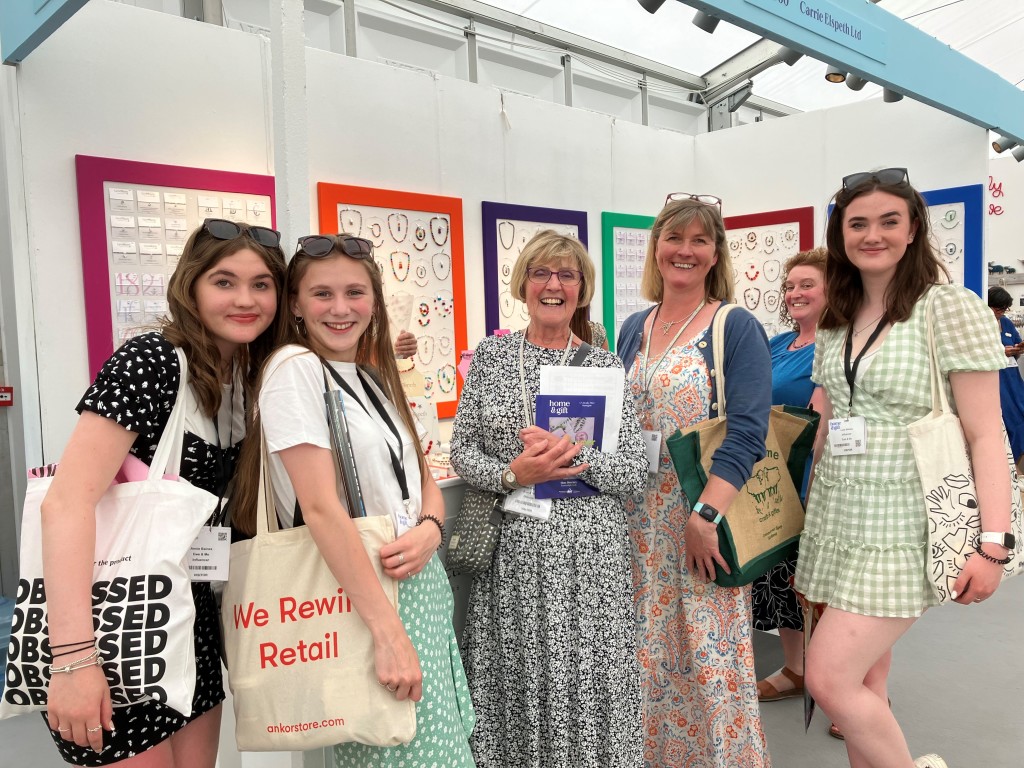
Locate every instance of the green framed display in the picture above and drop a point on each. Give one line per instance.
(623, 250)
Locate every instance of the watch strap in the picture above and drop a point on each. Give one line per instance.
(1003, 539)
(699, 508)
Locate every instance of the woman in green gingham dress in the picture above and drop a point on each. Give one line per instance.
(864, 548)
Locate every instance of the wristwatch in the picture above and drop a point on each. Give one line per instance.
(1006, 540)
(508, 479)
(708, 512)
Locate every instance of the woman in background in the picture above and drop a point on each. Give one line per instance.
(223, 303)
(1011, 385)
(699, 688)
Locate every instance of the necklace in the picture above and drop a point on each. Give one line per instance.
(400, 266)
(398, 226)
(794, 346)
(646, 372)
(509, 229)
(869, 325)
(528, 404)
(666, 326)
(441, 264)
(439, 230)
(419, 235)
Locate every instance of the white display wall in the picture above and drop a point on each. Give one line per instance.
(374, 125)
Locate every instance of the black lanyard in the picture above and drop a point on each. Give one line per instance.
(223, 474)
(851, 370)
(397, 464)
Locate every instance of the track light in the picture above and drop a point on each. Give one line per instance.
(1003, 143)
(788, 56)
(891, 96)
(834, 74)
(1018, 154)
(651, 5)
(855, 83)
(703, 21)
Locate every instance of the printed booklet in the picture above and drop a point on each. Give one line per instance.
(581, 417)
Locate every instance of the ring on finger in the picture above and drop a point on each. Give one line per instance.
(93, 730)
(64, 730)
(391, 689)
(401, 558)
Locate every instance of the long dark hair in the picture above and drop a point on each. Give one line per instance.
(374, 350)
(183, 328)
(919, 268)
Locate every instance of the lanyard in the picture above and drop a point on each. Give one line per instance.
(397, 464)
(646, 373)
(851, 370)
(527, 406)
(223, 475)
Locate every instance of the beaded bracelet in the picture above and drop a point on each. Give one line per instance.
(996, 560)
(435, 521)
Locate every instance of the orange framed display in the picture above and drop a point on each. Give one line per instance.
(418, 244)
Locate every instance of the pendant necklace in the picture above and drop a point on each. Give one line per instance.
(869, 325)
(666, 327)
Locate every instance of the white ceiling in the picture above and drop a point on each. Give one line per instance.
(989, 31)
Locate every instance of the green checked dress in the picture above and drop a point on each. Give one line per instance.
(864, 544)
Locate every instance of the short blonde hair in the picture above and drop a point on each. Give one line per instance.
(816, 257)
(678, 215)
(546, 248)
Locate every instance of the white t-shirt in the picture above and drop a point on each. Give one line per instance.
(294, 412)
(230, 417)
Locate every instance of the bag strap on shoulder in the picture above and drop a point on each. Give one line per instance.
(581, 354)
(718, 353)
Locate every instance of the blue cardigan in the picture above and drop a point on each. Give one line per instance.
(748, 388)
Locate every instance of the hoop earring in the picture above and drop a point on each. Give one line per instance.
(298, 319)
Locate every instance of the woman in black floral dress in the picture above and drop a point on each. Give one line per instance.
(550, 648)
(223, 301)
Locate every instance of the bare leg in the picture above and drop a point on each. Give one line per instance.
(195, 745)
(847, 668)
(793, 649)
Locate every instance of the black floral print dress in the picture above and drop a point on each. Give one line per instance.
(137, 388)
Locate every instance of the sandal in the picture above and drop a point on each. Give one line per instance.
(930, 761)
(768, 692)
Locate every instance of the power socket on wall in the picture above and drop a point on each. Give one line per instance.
(6, 396)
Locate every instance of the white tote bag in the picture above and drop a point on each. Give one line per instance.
(142, 602)
(300, 660)
(947, 479)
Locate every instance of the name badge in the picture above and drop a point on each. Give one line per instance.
(208, 558)
(522, 502)
(848, 436)
(652, 441)
(404, 521)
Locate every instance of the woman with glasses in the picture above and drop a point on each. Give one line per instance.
(222, 301)
(549, 644)
(1011, 384)
(339, 329)
(699, 687)
(864, 550)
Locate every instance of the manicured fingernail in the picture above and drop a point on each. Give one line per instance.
(953, 594)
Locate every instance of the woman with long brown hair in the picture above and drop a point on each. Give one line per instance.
(223, 303)
(339, 330)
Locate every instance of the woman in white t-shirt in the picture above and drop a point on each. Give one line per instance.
(340, 327)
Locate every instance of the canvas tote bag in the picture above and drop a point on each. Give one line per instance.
(763, 524)
(300, 660)
(947, 481)
(142, 604)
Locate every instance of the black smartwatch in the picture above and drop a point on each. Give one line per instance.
(708, 512)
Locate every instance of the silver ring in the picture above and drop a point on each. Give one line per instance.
(391, 689)
(93, 730)
(401, 558)
(64, 730)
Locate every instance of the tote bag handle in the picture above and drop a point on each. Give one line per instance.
(167, 458)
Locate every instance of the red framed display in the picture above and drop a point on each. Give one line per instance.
(133, 219)
(418, 243)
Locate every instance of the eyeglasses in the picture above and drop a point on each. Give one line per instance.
(321, 245)
(565, 276)
(884, 176)
(222, 229)
(706, 199)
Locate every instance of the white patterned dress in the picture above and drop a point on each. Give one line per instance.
(699, 686)
(549, 648)
(865, 537)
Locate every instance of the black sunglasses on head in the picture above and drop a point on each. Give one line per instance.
(222, 229)
(321, 245)
(884, 176)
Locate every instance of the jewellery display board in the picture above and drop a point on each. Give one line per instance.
(134, 219)
(955, 216)
(417, 242)
(624, 239)
(759, 245)
(506, 229)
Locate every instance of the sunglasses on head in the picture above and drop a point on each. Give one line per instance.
(884, 176)
(705, 199)
(222, 229)
(321, 245)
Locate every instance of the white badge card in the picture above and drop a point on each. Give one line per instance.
(848, 436)
(652, 441)
(404, 521)
(522, 502)
(210, 554)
